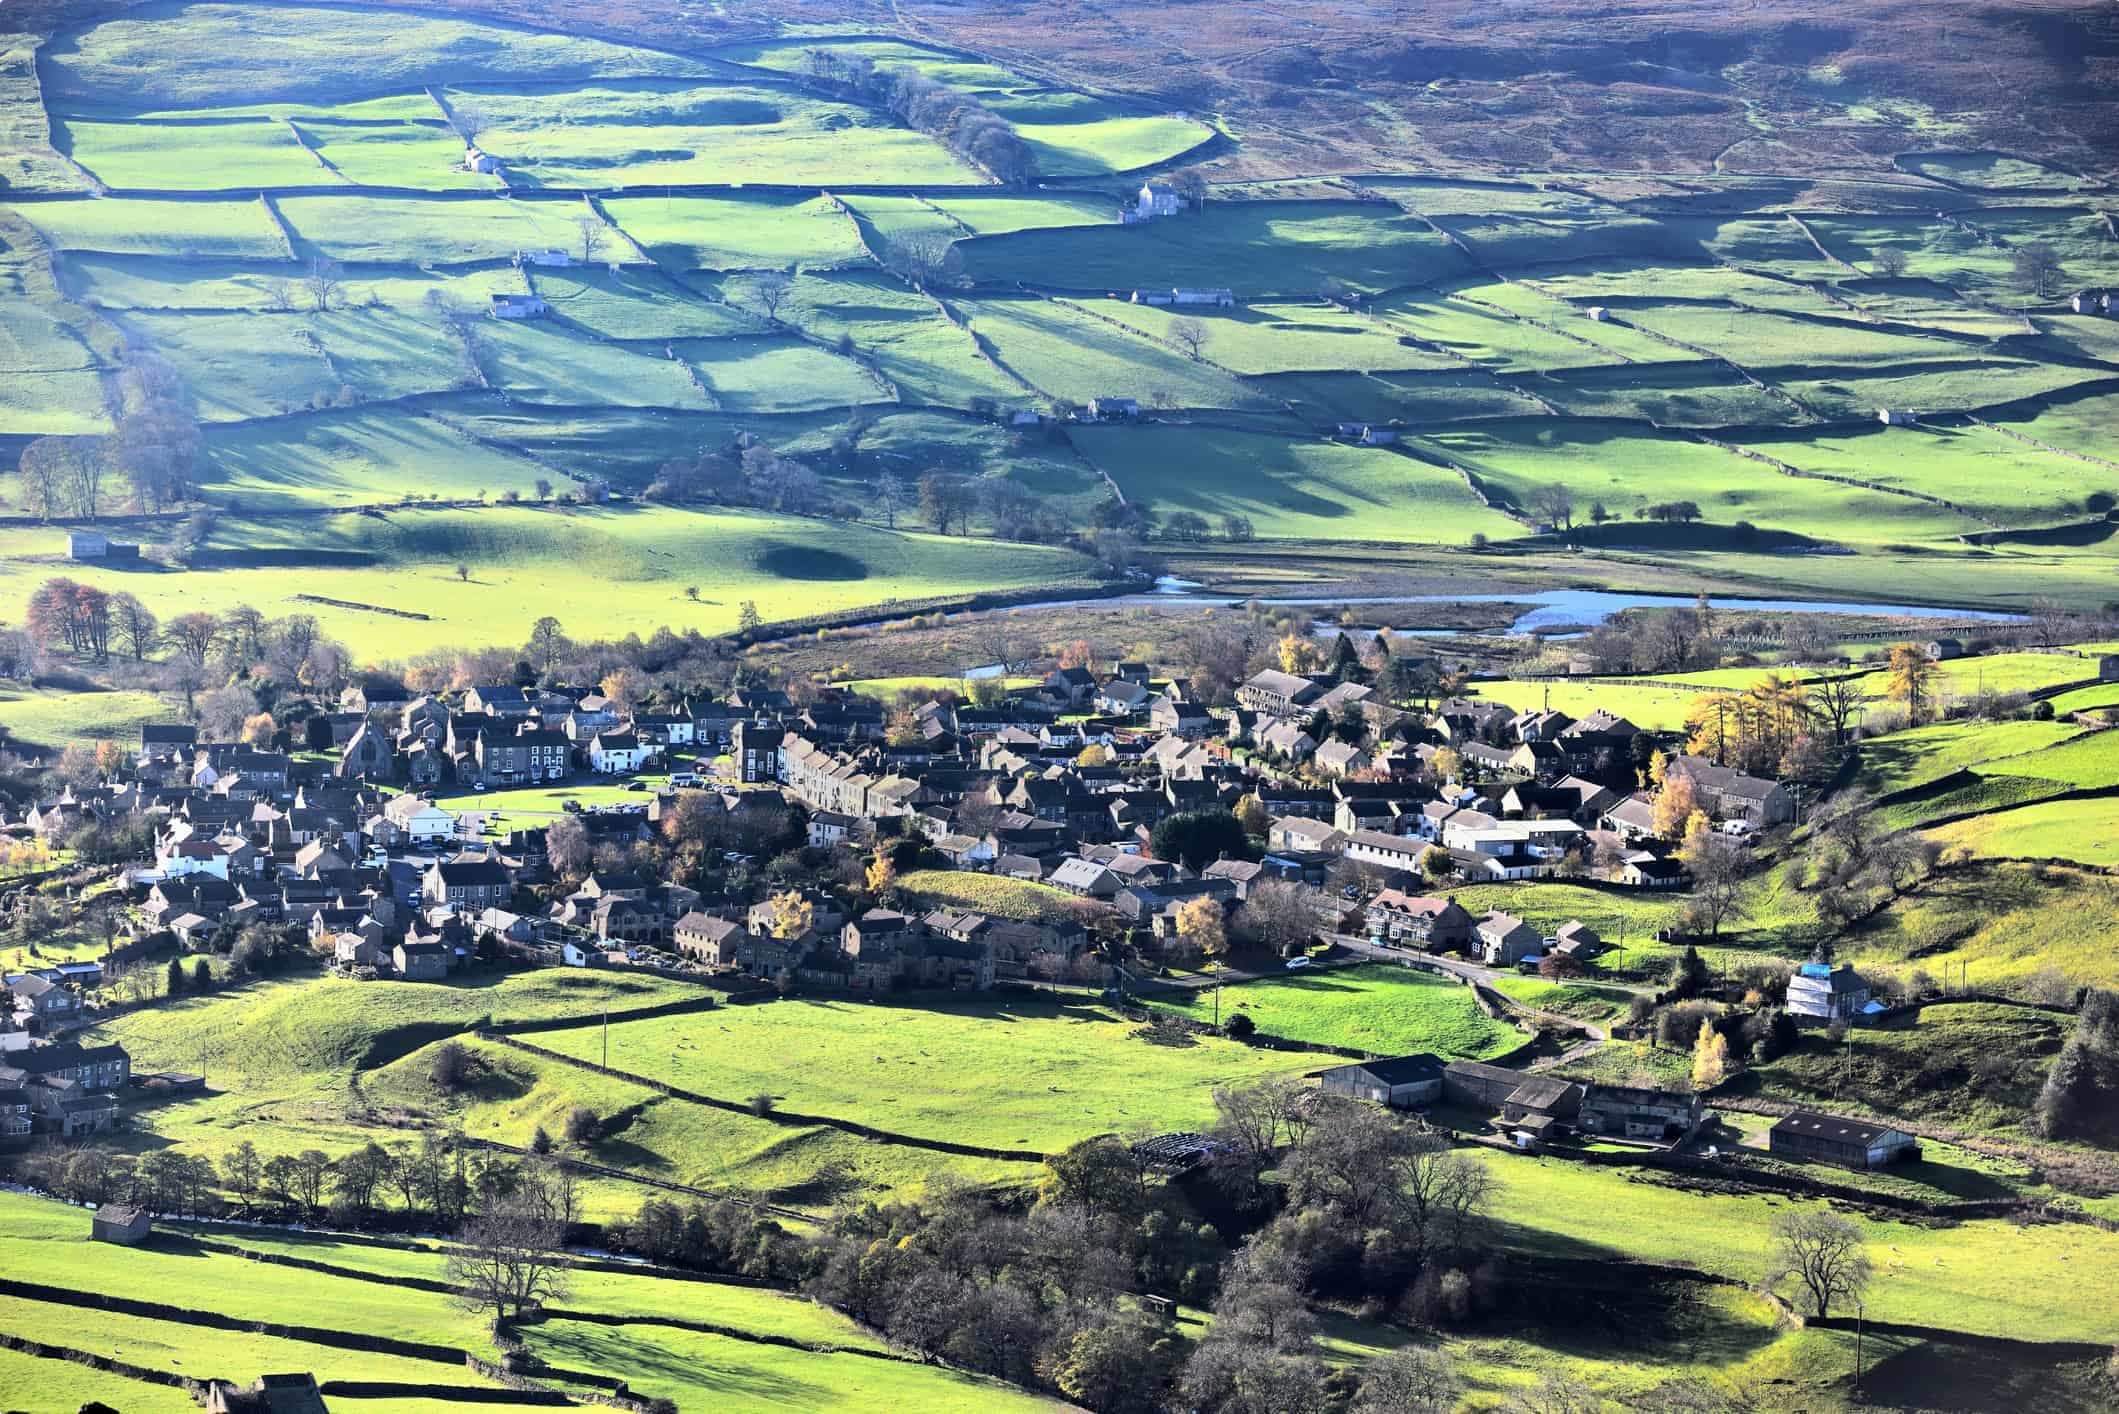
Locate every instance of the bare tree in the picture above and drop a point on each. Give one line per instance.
(469, 120)
(279, 295)
(1888, 261)
(1408, 1381)
(923, 258)
(1840, 703)
(46, 466)
(2036, 266)
(594, 236)
(1824, 1252)
(509, 1258)
(325, 282)
(771, 292)
(2052, 622)
(1189, 334)
(1278, 915)
(1556, 503)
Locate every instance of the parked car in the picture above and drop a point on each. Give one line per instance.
(1296, 964)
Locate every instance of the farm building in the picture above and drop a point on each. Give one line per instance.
(1156, 199)
(1151, 297)
(1403, 1082)
(1941, 650)
(2091, 302)
(268, 1394)
(1896, 417)
(477, 159)
(1113, 409)
(88, 545)
(2108, 668)
(512, 306)
(1820, 992)
(556, 258)
(1598, 314)
(1221, 299)
(1640, 1112)
(1830, 1139)
(121, 1223)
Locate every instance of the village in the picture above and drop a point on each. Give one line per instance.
(1312, 822)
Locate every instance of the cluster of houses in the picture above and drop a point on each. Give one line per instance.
(51, 1085)
(1532, 1110)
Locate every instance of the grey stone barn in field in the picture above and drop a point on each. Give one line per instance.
(121, 1223)
(1402, 1082)
(1831, 1139)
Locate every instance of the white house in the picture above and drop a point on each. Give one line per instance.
(1384, 851)
(1221, 299)
(617, 753)
(194, 857)
(419, 820)
(543, 257)
(476, 159)
(1821, 992)
(513, 306)
(1158, 199)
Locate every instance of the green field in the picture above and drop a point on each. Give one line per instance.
(355, 458)
(61, 718)
(188, 56)
(2083, 831)
(1069, 355)
(392, 230)
(1258, 248)
(611, 569)
(1382, 1009)
(1906, 759)
(1281, 338)
(738, 232)
(942, 1069)
(1291, 488)
(1627, 471)
(649, 132)
(242, 155)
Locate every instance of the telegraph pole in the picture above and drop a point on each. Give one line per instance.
(1860, 1311)
(606, 1038)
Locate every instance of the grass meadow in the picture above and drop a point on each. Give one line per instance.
(941, 1069)
(1298, 489)
(1381, 1009)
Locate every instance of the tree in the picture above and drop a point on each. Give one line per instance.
(1888, 261)
(1189, 334)
(1910, 679)
(84, 480)
(881, 876)
(1555, 503)
(747, 616)
(566, 845)
(1200, 923)
(793, 914)
(242, 1171)
(770, 292)
(1675, 805)
(311, 1172)
(1710, 1057)
(134, 629)
(593, 236)
(325, 282)
(923, 258)
(463, 574)
(44, 467)
(543, 487)
(1839, 703)
(1278, 915)
(509, 1258)
(1717, 864)
(201, 976)
(2036, 267)
(1114, 1363)
(1408, 1381)
(548, 642)
(1824, 1252)
(175, 985)
(1447, 764)
(192, 636)
(1300, 654)
(1197, 838)
(1688, 974)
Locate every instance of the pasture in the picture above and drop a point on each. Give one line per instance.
(1382, 1009)
(1299, 489)
(1013, 1074)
